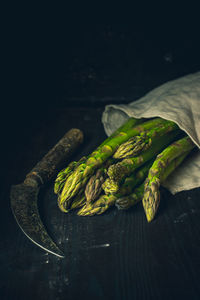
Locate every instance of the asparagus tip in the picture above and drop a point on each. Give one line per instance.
(151, 198)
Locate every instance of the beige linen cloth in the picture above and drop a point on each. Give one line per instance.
(177, 101)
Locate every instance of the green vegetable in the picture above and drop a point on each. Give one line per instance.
(132, 199)
(112, 187)
(158, 172)
(84, 171)
(94, 185)
(106, 201)
(135, 145)
(122, 169)
(64, 174)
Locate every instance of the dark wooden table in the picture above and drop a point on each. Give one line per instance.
(116, 255)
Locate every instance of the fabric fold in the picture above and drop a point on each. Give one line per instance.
(178, 101)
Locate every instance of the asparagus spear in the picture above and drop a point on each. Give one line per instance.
(130, 123)
(136, 144)
(158, 171)
(98, 207)
(126, 202)
(94, 185)
(106, 201)
(122, 169)
(77, 202)
(133, 146)
(64, 174)
(63, 206)
(82, 173)
(132, 199)
(112, 187)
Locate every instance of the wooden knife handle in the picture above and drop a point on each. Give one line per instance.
(50, 163)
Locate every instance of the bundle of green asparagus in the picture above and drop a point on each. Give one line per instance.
(127, 167)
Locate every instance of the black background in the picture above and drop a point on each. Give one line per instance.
(60, 68)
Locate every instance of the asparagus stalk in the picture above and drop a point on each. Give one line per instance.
(63, 206)
(82, 173)
(122, 169)
(94, 185)
(126, 202)
(136, 144)
(106, 201)
(77, 202)
(64, 174)
(98, 207)
(157, 173)
(112, 187)
(133, 146)
(130, 123)
(132, 199)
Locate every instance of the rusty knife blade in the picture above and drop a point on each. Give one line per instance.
(24, 196)
(25, 209)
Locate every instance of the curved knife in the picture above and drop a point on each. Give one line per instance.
(24, 196)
